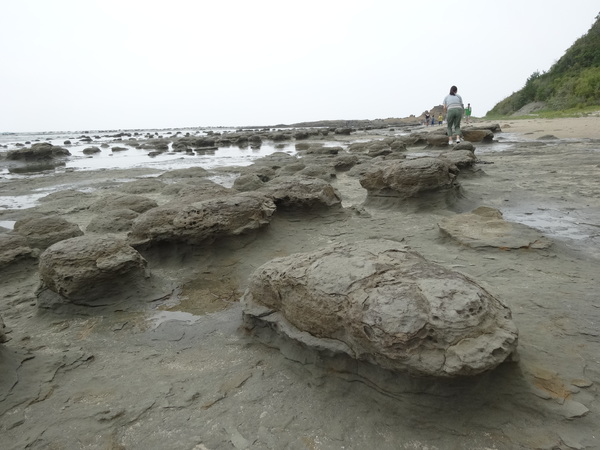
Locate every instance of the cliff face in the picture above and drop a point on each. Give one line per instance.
(573, 81)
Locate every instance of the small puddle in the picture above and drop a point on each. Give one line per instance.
(8, 224)
(195, 299)
(20, 201)
(556, 223)
(161, 317)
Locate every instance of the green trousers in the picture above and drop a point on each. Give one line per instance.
(453, 118)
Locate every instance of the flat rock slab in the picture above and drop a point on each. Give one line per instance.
(378, 301)
(485, 227)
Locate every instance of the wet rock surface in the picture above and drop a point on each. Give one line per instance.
(173, 367)
(13, 248)
(377, 301)
(302, 192)
(89, 271)
(485, 227)
(204, 221)
(406, 179)
(43, 231)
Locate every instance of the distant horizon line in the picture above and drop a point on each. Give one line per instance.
(280, 125)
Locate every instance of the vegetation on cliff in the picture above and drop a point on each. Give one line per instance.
(572, 82)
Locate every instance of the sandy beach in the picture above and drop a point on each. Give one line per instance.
(564, 128)
(179, 371)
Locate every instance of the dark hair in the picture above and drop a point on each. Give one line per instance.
(453, 90)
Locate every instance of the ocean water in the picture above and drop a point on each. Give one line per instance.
(129, 158)
(133, 157)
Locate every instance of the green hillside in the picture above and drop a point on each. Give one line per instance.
(572, 82)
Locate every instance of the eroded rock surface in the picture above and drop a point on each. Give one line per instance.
(473, 135)
(113, 221)
(485, 227)
(13, 248)
(463, 159)
(134, 202)
(3, 337)
(380, 302)
(203, 221)
(89, 271)
(37, 152)
(41, 232)
(408, 178)
(302, 192)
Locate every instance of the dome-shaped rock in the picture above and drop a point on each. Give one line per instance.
(204, 221)
(89, 270)
(377, 301)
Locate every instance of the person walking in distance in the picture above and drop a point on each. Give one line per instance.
(454, 108)
(468, 113)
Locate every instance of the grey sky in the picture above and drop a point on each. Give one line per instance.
(87, 64)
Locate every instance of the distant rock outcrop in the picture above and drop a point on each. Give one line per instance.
(37, 152)
(380, 302)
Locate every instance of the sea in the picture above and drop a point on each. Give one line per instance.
(75, 142)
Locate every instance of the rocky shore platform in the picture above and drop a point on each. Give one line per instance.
(374, 289)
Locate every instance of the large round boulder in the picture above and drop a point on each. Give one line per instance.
(378, 301)
(89, 271)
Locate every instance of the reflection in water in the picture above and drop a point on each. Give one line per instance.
(20, 201)
(37, 167)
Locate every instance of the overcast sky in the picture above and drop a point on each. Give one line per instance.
(121, 64)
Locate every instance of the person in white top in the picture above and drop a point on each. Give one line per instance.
(454, 108)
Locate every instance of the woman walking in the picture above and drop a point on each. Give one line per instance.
(454, 108)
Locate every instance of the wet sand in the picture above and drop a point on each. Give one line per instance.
(179, 371)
